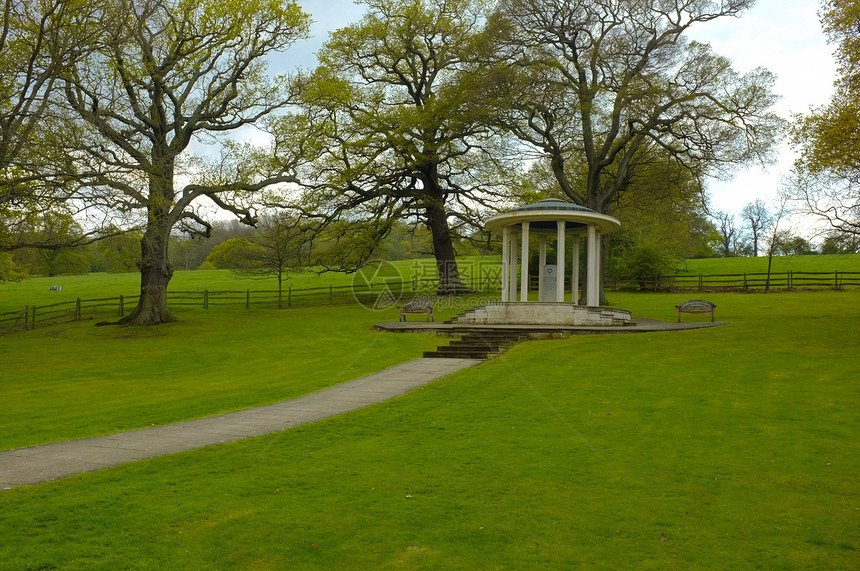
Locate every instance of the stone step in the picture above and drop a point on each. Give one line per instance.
(493, 335)
(466, 349)
(490, 339)
(548, 313)
(479, 345)
(459, 354)
(475, 343)
(487, 342)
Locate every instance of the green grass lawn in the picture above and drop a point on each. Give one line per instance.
(726, 448)
(35, 291)
(76, 380)
(15, 296)
(782, 264)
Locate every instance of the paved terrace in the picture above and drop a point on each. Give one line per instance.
(636, 325)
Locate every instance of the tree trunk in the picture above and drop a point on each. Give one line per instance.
(769, 266)
(155, 268)
(443, 249)
(155, 274)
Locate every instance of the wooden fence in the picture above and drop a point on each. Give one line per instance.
(742, 282)
(371, 294)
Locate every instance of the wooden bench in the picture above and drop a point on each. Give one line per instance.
(416, 308)
(695, 306)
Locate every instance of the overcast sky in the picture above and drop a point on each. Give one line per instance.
(783, 36)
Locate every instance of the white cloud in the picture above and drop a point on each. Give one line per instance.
(785, 37)
(327, 16)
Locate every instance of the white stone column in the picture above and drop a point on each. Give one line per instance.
(542, 267)
(524, 264)
(512, 271)
(562, 226)
(506, 244)
(574, 272)
(593, 273)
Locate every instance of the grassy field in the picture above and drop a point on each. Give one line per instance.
(814, 263)
(75, 380)
(35, 291)
(733, 447)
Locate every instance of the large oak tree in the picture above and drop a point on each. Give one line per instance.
(595, 86)
(160, 75)
(402, 129)
(828, 138)
(38, 39)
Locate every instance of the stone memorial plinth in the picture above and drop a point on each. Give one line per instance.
(554, 313)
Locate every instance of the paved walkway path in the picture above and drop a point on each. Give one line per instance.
(36, 464)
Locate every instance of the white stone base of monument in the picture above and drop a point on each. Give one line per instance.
(531, 313)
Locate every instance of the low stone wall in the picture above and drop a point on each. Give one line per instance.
(534, 313)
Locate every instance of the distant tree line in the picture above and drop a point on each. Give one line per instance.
(231, 245)
(648, 245)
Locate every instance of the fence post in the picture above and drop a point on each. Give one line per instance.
(701, 282)
(205, 299)
(26, 317)
(33, 318)
(331, 295)
(78, 310)
(247, 299)
(121, 306)
(790, 279)
(836, 280)
(746, 285)
(290, 296)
